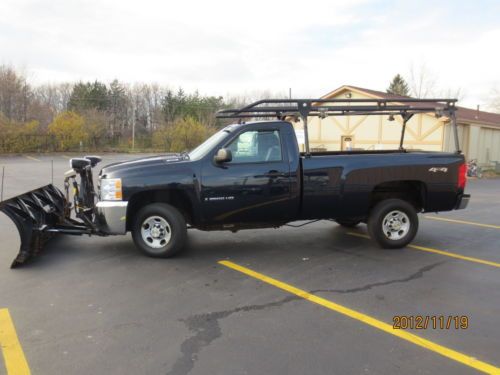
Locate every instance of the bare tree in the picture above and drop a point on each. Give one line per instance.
(424, 84)
(47, 101)
(14, 94)
(422, 81)
(156, 110)
(455, 93)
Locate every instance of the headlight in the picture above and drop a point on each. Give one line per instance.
(111, 189)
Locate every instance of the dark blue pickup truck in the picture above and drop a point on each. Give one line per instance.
(247, 175)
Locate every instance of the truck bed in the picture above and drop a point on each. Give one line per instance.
(343, 183)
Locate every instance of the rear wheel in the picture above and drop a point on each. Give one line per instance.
(348, 223)
(159, 230)
(393, 223)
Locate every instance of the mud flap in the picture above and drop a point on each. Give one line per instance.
(35, 214)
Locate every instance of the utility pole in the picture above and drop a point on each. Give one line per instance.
(290, 93)
(3, 176)
(133, 127)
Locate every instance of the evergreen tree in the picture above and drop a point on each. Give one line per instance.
(89, 96)
(182, 105)
(118, 105)
(398, 86)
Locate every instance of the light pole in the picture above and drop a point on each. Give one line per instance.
(133, 129)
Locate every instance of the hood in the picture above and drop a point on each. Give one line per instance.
(114, 169)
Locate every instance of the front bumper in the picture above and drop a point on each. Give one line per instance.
(462, 201)
(112, 216)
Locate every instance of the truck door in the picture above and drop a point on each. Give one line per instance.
(254, 186)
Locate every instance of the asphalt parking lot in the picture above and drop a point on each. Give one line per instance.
(319, 299)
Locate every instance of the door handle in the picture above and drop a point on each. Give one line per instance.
(274, 174)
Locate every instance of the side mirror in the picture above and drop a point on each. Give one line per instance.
(94, 160)
(224, 155)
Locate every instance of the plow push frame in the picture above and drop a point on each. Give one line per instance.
(43, 212)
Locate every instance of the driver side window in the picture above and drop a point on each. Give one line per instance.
(256, 146)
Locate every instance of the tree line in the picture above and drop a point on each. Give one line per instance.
(87, 116)
(99, 116)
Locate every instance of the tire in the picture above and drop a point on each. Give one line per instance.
(159, 230)
(348, 223)
(393, 223)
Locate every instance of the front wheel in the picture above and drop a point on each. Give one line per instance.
(393, 223)
(159, 230)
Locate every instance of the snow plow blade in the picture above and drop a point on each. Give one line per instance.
(37, 215)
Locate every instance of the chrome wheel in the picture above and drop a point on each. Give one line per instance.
(395, 225)
(156, 232)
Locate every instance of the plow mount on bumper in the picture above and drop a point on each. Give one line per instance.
(41, 213)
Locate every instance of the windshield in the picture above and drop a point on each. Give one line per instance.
(208, 145)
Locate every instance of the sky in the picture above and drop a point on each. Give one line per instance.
(237, 47)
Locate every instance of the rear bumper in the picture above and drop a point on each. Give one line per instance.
(462, 201)
(112, 216)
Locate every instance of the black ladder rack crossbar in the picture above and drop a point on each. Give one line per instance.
(311, 107)
(294, 108)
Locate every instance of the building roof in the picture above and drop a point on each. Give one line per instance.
(466, 115)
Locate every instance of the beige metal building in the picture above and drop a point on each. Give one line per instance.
(479, 131)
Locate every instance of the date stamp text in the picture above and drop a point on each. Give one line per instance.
(430, 322)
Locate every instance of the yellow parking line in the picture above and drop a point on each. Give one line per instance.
(31, 158)
(402, 334)
(463, 222)
(436, 251)
(14, 359)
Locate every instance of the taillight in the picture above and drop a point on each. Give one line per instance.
(462, 176)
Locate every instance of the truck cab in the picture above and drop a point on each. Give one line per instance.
(258, 179)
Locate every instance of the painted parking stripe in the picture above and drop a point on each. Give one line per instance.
(13, 355)
(31, 158)
(463, 222)
(387, 328)
(441, 252)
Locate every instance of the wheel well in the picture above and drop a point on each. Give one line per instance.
(414, 192)
(176, 198)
